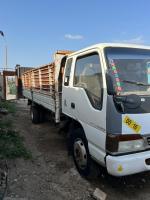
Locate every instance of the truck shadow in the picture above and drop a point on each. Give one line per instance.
(128, 187)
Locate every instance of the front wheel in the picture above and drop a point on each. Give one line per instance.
(80, 152)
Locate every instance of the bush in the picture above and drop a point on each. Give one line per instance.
(11, 143)
(8, 105)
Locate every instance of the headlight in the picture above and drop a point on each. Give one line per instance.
(129, 146)
(124, 143)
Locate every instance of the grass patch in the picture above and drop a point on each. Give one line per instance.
(11, 145)
(5, 124)
(10, 106)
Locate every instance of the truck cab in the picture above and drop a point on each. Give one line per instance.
(106, 94)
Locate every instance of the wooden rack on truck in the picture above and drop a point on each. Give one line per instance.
(43, 85)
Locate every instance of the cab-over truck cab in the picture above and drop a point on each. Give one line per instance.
(106, 93)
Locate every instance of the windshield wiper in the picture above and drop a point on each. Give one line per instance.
(135, 82)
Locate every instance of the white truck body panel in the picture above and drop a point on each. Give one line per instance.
(45, 100)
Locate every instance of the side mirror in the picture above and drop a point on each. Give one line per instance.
(110, 85)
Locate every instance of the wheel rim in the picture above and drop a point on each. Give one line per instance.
(80, 154)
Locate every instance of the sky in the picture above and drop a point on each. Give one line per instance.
(35, 29)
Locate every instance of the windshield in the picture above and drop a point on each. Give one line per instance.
(130, 70)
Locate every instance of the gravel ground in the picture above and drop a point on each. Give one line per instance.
(51, 175)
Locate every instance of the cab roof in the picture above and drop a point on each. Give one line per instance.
(104, 45)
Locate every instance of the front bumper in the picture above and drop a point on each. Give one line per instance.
(128, 164)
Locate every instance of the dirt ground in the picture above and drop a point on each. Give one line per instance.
(51, 174)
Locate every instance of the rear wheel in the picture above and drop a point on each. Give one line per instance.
(35, 114)
(42, 113)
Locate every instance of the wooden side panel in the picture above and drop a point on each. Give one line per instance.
(40, 79)
(36, 79)
(43, 85)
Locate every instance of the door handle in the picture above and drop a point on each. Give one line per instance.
(72, 105)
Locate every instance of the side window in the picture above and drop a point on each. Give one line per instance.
(67, 72)
(88, 75)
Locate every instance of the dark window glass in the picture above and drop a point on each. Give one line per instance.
(88, 75)
(67, 72)
(130, 70)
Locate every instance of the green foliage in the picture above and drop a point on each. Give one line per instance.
(5, 124)
(11, 143)
(12, 87)
(8, 105)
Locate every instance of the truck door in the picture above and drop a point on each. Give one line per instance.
(86, 100)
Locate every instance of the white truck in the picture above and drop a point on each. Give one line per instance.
(103, 94)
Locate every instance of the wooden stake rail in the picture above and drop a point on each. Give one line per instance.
(41, 78)
(43, 85)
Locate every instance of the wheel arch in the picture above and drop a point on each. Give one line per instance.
(74, 124)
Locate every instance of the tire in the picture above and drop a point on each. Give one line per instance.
(35, 115)
(42, 115)
(80, 152)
